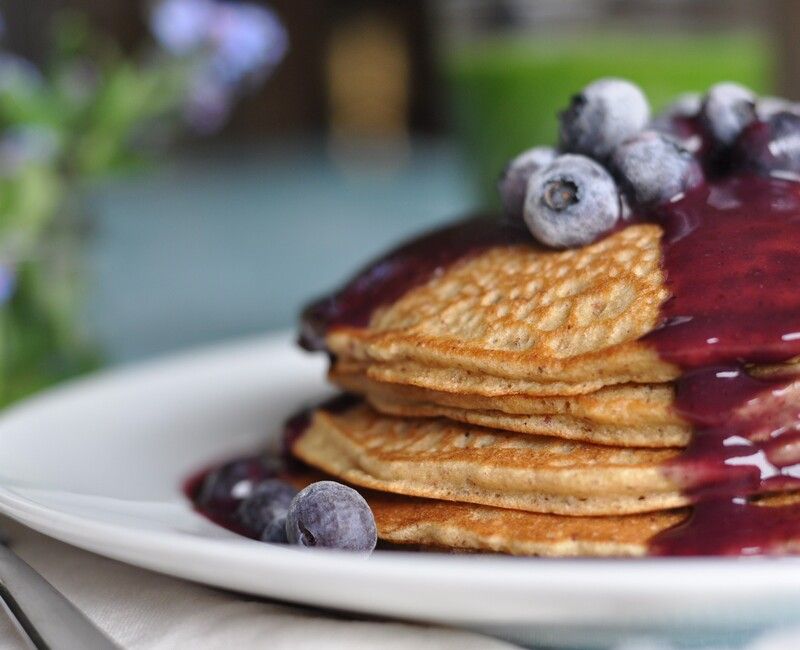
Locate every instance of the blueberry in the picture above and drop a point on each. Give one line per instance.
(684, 105)
(771, 146)
(225, 487)
(275, 533)
(602, 115)
(331, 515)
(263, 513)
(677, 119)
(571, 202)
(727, 108)
(652, 168)
(766, 107)
(514, 179)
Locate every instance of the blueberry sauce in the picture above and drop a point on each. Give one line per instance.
(386, 280)
(731, 252)
(257, 467)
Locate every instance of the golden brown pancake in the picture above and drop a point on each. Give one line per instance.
(466, 526)
(560, 426)
(452, 526)
(523, 320)
(449, 525)
(632, 415)
(625, 405)
(441, 459)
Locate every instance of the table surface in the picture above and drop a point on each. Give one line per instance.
(216, 245)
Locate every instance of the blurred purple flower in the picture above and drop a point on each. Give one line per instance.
(182, 26)
(17, 73)
(235, 44)
(8, 282)
(235, 40)
(248, 41)
(24, 145)
(207, 106)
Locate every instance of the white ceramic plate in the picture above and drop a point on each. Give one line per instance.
(99, 464)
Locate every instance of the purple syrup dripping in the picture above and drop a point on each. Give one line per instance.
(385, 280)
(287, 468)
(731, 254)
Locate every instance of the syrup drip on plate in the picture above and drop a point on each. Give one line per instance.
(731, 255)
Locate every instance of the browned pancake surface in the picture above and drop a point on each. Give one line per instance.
(441, 459)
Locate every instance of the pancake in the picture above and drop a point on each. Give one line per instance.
(458, 380)
(441, 459)
(451, 526)
(625, 405)
(637, 415)
(560, 426)
(523, 319)
(461, 526)
(469, 527)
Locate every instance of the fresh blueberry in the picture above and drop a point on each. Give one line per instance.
(653, 168)
(275, 533)
(766, 107)
(263, 513)
(225, 487)
(331, 515)
(602, 115)
(571, 202)
(727, 109)
(684, 105)
(771, 146)
(678, 119)
(514, 179)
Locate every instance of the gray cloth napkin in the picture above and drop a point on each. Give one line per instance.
(145, 610)
(140, 609)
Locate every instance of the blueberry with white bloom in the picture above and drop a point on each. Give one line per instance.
(228, 485)
(263, 513)
(766, 107)
(571, 202)
(513, 182)
(727, 108)
(684, 106)
(331, 515)
(602, 115)
(770, 147)
(653, 168)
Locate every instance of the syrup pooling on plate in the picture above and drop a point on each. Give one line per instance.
(387, 279)
(731, 254)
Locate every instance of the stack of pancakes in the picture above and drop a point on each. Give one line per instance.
(510, 402)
